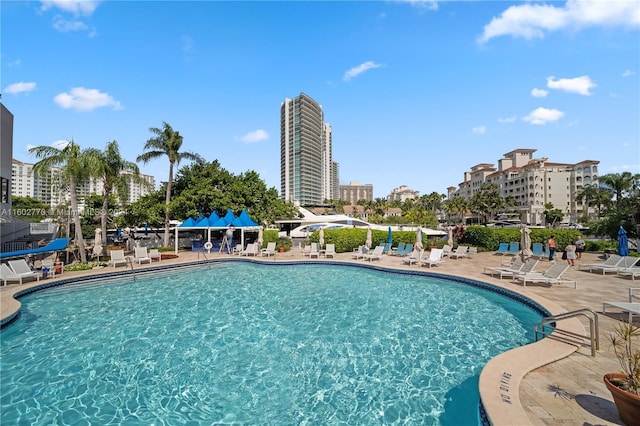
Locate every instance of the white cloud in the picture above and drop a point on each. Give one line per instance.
(479, 130)
(534, 20)
(426, 4)
(65, 26)
(507, 120)
(580, 85)
(541, 116)
(356, 71)
(539, 93)
(628, 73)
(77, 7)
(255, 136)
(83, 99)
(16, 88)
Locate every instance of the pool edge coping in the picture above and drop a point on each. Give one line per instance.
(500, 378)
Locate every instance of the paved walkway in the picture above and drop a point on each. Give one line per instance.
(568, 391)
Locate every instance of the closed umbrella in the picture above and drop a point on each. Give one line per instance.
(97, 243)
(450, 236)
(525, 243)
(419, 239)
(321, 237)
(259, 241)
(623, 243)
(389, 237)
(368, 242)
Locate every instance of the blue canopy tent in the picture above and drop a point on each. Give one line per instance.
(55, 245)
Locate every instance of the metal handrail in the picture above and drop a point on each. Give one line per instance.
(540, 329)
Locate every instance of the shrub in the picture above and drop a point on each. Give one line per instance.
(283, 242)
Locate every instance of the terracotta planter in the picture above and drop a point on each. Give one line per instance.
(281, 250)
(628, 404)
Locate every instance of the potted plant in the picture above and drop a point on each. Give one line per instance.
(625, 385)
(283, 244)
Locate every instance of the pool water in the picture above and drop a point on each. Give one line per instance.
(241, 343)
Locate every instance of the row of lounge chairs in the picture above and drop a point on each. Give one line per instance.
(615, 264)
(525, 272)
(140, 255)
(18, 271)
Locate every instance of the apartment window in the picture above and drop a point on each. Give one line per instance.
(4, 190)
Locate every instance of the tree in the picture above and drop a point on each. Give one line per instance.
(458, 206)
(552, 215)
(620, 184)
(487, 202)
(76, 167)
(29, 209)
(594, 196)
(116, 173)
(166, 142)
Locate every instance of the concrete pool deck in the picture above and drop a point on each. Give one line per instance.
(546, 383)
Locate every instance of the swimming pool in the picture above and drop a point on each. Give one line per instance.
(245, 343)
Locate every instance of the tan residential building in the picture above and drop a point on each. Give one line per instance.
(534, 182)
(354, 192)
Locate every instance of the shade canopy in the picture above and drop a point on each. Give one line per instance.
(55, 245)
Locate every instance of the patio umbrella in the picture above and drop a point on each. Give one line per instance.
(368, 242)
(259, 241)
(419, 239)
(97, 243)
(450, 236)
(525, 243)
(321, 237)
(389, 237)
(623, 244)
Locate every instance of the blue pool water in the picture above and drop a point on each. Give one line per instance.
(249, 344)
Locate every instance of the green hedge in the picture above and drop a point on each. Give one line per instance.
(490, 238)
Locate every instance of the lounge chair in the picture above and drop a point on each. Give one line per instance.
(154, 254)
(528, 266)
(376, 255)
(359, 253)
(537, 250)
(472, 251)
(514, 248)
(6, 275)
(117, 258)
(141, 256)
(515, 264)
(330, 250)
(50, 264)
(461, 251)
(252, 249)
(553, 275)
(408, 248)
(238, 249)
(21, 268)
(399, 249)
(633, 272)
(446, 250)
(434, 259)
(270, 250)
(387, 248)
(609, 265)
(314, 251)
(503, 248)
(414, 257)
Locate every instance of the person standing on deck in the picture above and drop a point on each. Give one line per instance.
(551, 243)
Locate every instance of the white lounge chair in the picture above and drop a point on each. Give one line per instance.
(117, 258)
(414, 257)
(50, 264)
(330, 250)
(270, 250)
(633, 272)
(314, 251)
(252, 249)
(613, 261)
(6, 275)
(21, 267)
(359, 253)
(446, 250)
(154, 254)
(553, 275)
(528, 266)
(141, 255)
(461, 251)
(376, 254)
(434, 259)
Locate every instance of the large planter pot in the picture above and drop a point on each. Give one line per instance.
(627, 403)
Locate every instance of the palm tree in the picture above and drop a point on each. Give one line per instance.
(76, 167)
(166, 142)
(620, 184)
(116, 173)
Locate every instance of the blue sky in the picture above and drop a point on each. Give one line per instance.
(416, 92)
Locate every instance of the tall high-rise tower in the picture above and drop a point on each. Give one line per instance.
(305, 152)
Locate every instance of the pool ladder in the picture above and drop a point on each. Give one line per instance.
(547, 326)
